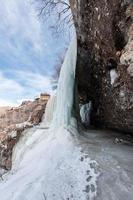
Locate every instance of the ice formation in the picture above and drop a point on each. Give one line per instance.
(85, 113)
(65, 89)
(113, 76)
(49, 111)
(48, 164)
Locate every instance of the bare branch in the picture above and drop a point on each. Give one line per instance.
(59, 8)
(44, 196)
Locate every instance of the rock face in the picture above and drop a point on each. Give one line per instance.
(13, 121)
(105, 60)
(7, 142)
(28, 111)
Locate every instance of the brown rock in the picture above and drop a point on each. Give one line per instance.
(103, 30)
(14, 121)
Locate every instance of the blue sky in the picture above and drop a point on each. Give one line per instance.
(28, 52)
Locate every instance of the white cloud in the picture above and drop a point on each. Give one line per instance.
(13, 93)
(18, 18)
(35, 80)
(25, 44)
(3, 103)
(9, 85)
(22, 44)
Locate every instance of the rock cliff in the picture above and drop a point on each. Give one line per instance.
(13, 121)
(105, 60)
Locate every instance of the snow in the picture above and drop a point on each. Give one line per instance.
(23, 124)
(49, 163)
(13, 134)
(115, 161)
(113, 76)
(122, 93)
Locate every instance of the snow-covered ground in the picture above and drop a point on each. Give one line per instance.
(114, 155)
(50, 166)
(68, 165)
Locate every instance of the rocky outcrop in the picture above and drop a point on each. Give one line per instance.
(13, 121)
(7, 142)
(105, 66)
(28, 111)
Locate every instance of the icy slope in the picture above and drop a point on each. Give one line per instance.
(51, 166)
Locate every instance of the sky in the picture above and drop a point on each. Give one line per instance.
(28, 52)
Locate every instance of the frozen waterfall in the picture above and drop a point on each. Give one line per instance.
(49, 164)
(65, 89)
(59, 107)
(49, 111)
